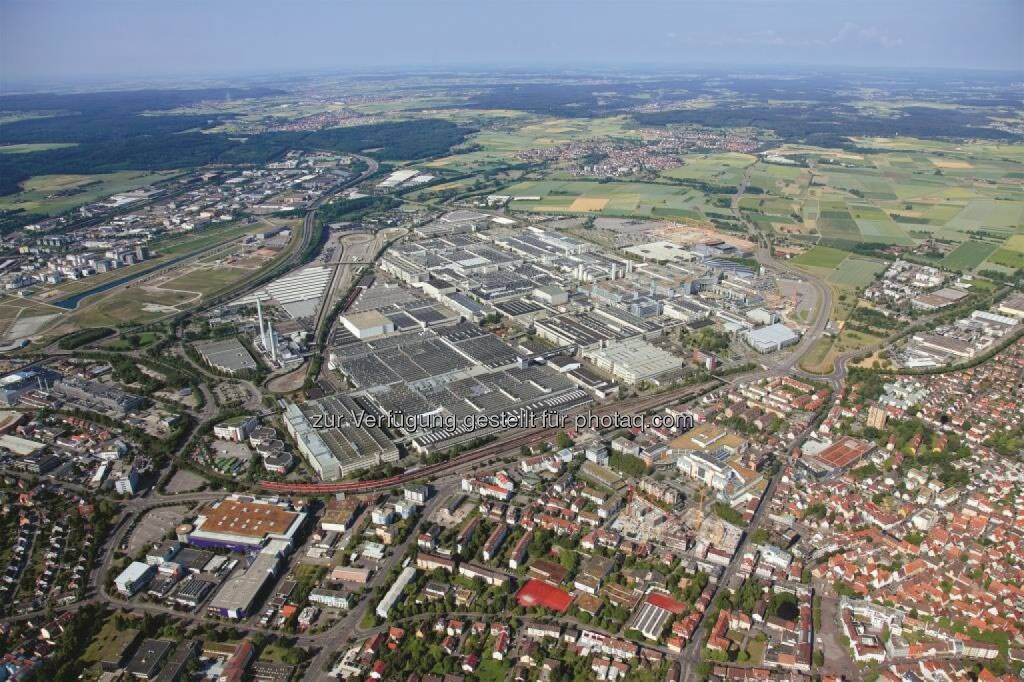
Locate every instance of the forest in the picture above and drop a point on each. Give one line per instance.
(151, 143)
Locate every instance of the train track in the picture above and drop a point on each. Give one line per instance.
(484, 452)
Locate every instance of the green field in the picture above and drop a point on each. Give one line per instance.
(969, 255)
(856, 272)
(53, 194)
(821, 257)
(715, 169)
(505, 134)
(34, 147)
(206, 280)
(608, 198)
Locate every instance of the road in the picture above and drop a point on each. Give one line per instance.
(445, 476)
(690, 655)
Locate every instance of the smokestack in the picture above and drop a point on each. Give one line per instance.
(273, 343)
(259, 315)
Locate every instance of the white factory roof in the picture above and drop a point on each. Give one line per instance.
(772, 334)
(395, 591)
(304, 285)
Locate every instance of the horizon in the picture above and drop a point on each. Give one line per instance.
(60, 43)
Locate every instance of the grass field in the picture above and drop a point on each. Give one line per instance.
(52, 194)
(206, 280)
(821, 257)
(145, 339)
(715, 169)
(34, 147)
(856, 272)
(627, 199)
(969, 255)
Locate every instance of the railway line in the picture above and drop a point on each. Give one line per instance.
(486, 451)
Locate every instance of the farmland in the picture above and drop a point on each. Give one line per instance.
(969, 255)
(889, 193)
(626, 199)
(53, 194)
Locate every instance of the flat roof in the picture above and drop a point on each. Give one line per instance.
(229, 353)
(707, 436)
(844, 452)
(367, 319)
(773, 333)
(247, 518)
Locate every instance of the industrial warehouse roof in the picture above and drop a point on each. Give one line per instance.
(247, 518)
(771, 335)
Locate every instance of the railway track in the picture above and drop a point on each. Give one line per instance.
(486, 451)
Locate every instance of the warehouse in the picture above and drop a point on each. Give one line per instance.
(771, 338)
(653, 614)
(238, 596)
(297, 293)
(134, 578)
(635, 360)
(334, 443)
(228, 356)
(367, 325)
(244, 524)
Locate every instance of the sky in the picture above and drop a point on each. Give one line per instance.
(78, 40)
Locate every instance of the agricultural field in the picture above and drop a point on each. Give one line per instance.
(28, 148)
(506, 134)
(724, 169)
(969, 255)
(856, 272)
(622, 199)
(847, 275)
(53, 194)
(890, 194)
(821, 257)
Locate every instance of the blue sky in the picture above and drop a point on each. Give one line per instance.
(77, 39)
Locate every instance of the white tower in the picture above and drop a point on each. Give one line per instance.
(259, 315)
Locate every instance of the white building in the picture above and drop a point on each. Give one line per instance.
(395, 591)
(771, 338)
(368, 324)
(134, 578)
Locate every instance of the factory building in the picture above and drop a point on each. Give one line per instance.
(237, 598)
(245, 524)
(771, 338)
(341, 447)
(228, 356)
(134, 578)
(368, 324)
(635, 360)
